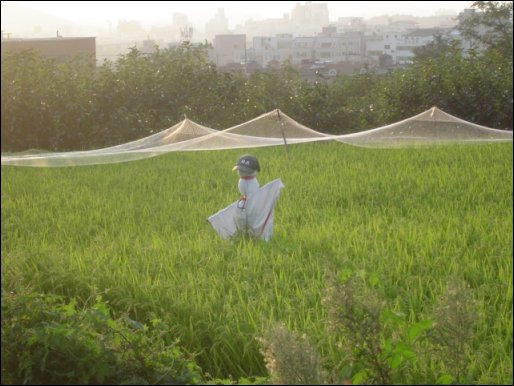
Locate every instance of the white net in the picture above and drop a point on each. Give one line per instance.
(431, 127)
(274, 124)
(271, 129)
(182, 131)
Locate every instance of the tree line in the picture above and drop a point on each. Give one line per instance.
(73, 106)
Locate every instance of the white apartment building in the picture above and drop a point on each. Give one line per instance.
(303, 49)
(340, 47)
(347, 42)
(330, 47)
(399, 45)
(272, 49)
(344, 24)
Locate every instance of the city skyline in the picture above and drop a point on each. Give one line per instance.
(200, 12)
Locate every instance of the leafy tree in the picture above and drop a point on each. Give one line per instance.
(26, 114)
(476, 88)
(351, 103)
(442, 45)
(491, 27)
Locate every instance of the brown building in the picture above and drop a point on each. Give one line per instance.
(59, 48)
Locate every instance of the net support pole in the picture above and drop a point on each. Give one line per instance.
(283, 135)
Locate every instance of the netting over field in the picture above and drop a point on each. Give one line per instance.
(182, 131)
(271, 129)
(431, 127)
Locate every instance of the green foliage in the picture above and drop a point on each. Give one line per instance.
(381, 346)
(26, 104)
(472, 87)
(490, 28)
(351, 104)
(442, 45)
(48, 341)
(73, 106)
(354, 313)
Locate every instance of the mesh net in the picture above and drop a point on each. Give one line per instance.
(274, 124)
(431, 127)
(180, 132)
(271, 129)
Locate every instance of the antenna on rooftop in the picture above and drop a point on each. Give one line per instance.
(186, 34)
(4, 34)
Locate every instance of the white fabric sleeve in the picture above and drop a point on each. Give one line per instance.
(254, 217)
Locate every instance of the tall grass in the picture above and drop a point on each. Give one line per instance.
(406, 219)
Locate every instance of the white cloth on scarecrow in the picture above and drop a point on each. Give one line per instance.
(253, 216)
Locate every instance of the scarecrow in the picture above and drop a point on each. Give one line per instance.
(252, 214)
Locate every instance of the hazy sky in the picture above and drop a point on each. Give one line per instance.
(236, 11)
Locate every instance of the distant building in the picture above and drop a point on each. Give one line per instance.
(340, 47)
(398, 47)
(303, 49)
(264, 50)
(267, 49)
(179, 22)
(229, 49)
(480, 29)
(275, 26)
(59, 48)
(412, 39)
(217, 25)
(344, 24)
(148, 47)
(310, 14)
(130, 28)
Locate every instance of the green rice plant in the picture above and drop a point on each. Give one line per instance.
(405, 219)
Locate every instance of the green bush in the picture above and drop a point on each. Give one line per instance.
(48, 341)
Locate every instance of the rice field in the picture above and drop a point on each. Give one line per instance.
(408, 220)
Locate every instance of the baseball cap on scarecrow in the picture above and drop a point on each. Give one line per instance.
(247, 165)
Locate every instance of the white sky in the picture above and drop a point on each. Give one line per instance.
(236, 11)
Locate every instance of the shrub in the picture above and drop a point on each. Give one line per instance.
(48, 341)
(291, 359)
